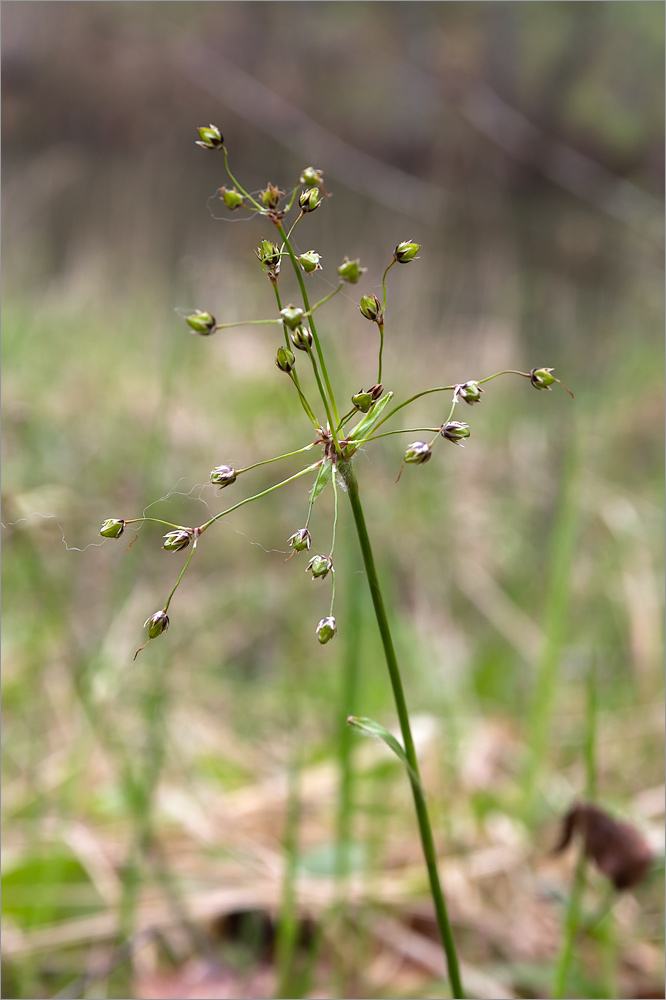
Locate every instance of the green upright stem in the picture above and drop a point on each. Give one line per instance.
(425, 828)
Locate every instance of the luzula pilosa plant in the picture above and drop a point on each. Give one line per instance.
(334, 439)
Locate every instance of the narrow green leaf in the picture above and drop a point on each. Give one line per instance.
(364, 426)
(323, 479)
(368, 727)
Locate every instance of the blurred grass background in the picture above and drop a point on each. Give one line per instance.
(150, 806)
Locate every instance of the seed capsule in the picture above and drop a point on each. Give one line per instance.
(371, 308)
(418, 453)
(406, 251)
(455, 431)
(210, 137)
(351, 270)
(223, 476)
(285, 360)
(201, 322)
(301, 540)
(156, 624)
(319, 566)
(326, 629)
(174, 541)
(113, 527)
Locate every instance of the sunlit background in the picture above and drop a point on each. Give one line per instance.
(174, 826)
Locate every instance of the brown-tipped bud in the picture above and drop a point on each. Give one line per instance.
(301, 540)
(156, 624)
(351, 270)
(371, 308)
(174, 541)
(113, 527)
(210, 137)
(469, 392)
(231, 198)
(311, 177)
(285, 360)
(618, 850)
(223, 476)
(418, 453)
(310, 199)
(202, 323)
(456, 432)
(292, 316)
(270, 196)
(302, 338)
(326, 629)
(309, 261)
(541, 378)
(406, 251)
(375, 391)
(319, 566)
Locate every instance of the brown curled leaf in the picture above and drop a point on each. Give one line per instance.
(617, 849)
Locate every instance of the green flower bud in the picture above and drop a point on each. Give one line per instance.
(350, 270)
(269, 255)
(371, 308)
(418, 453)
(300, 540)
(270, 196)
(201, 322)
(310, 199)
(311, 177)
(302, 338)
(231, 198)
(470, 392)
(292, 316)
(156, 624)
(455, 431)
(285, 359)
(210, 137)
(309, 261)
(406, 251)
(326, 629)
(174, 541)
(223, 476)
(113, 527)
(362, 401)
(541, 378)
(319, 566)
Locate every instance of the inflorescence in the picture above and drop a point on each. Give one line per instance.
(336, 436)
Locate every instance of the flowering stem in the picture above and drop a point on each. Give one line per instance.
(325, 299)
(182, 574)
(278, 458)
(240, 187)
(425, 829)
(257, 496)
(292, 374)
(315, 337)
(246, 322)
